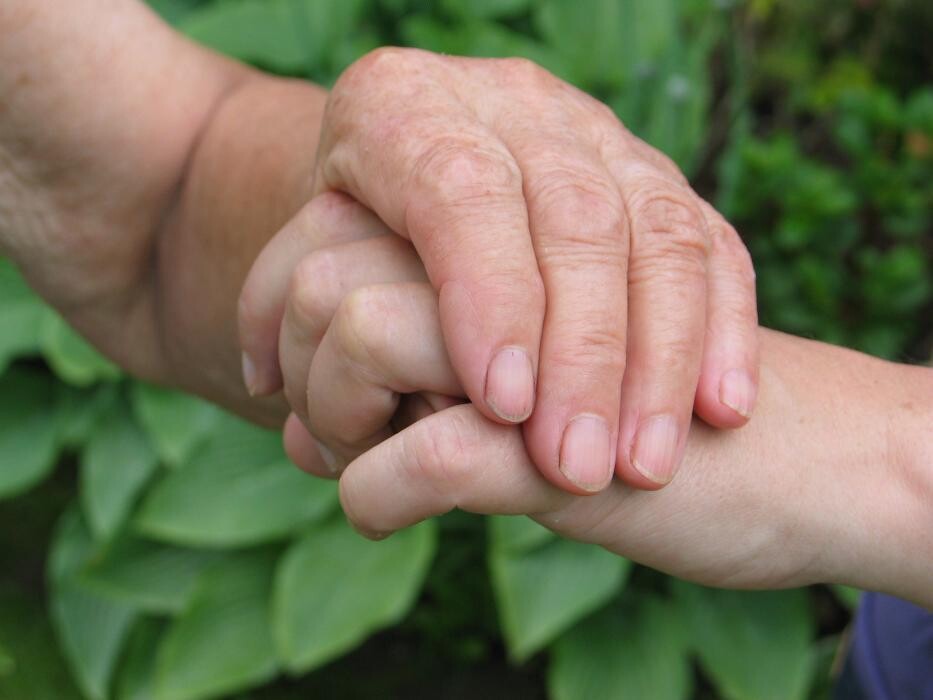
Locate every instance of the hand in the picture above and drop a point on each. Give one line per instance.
(565, 252)
(817, 488)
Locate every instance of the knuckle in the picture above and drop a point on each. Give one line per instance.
(579, 222)
(314, 283)
(452, 170)
(377, 63)
(526, 73)
(667, 219)
(437, 453)
(571, 200)
(361, 332)
(595, 350)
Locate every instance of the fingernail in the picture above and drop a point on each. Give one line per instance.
(737, 391)
(329, 459)
(584, 453)
(250, 375)
(655, 451)
(510, 385)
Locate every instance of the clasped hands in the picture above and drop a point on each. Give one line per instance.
(483, 231)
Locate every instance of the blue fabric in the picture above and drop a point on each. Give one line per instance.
(891, 657)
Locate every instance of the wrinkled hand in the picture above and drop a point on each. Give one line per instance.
(578, 274)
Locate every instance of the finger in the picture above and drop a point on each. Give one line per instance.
(457, 194)
(327, 219)
(385, 340)
(667, 286)
(728, 384)
(452, 459)
(581, 243)
(318, 284)
(303, 450)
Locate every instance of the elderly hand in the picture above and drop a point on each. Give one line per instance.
(581, 281)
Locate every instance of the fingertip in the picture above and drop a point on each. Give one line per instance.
(303, 450)
(728, 401)
(260, 379)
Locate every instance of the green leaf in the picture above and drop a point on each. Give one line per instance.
(149, 576)
(91, 628)
(541, 592)
(115, 466)
(21, 312)
(176, 423)
(333, 588)
(847, 595)
(72, 358)
(33, 668)
(292, 36)
(222, 642)
(636, 650)
(7, 664)
(732, 631)
(29, 429)
(517, 533)
(137, 675)
(81, 410)
(485, 9)
(238, 489)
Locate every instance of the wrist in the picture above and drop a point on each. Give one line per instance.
(894, 514)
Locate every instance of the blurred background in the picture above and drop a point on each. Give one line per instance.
(152, 547)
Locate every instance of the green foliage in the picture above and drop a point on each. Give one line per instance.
(733, 631)
(544, 584)
(631, 649)
(334, 588)
(222, 640)
(238, 490)
(195, 562)
(29, 430)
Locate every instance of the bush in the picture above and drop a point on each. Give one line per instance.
(189, 560)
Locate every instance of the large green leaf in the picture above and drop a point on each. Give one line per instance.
(636, 650)
(176, 423)
(31, 667)
(239, 489)
(137, 675)
(333, 588)
(517, 533)
(754, 645)
(82, 408)
(150, 576)
(116, 464)
(21, 312)
(91, 628)
(543, 590)
(29, 429)
(292, 36)
(222, 642)
(71, 356)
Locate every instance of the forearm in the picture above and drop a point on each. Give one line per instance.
(836, 465)
(139, 176)
(251, 173)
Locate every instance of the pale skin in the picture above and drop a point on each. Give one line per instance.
(831, 481)
(139, 179)
(141, 175)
